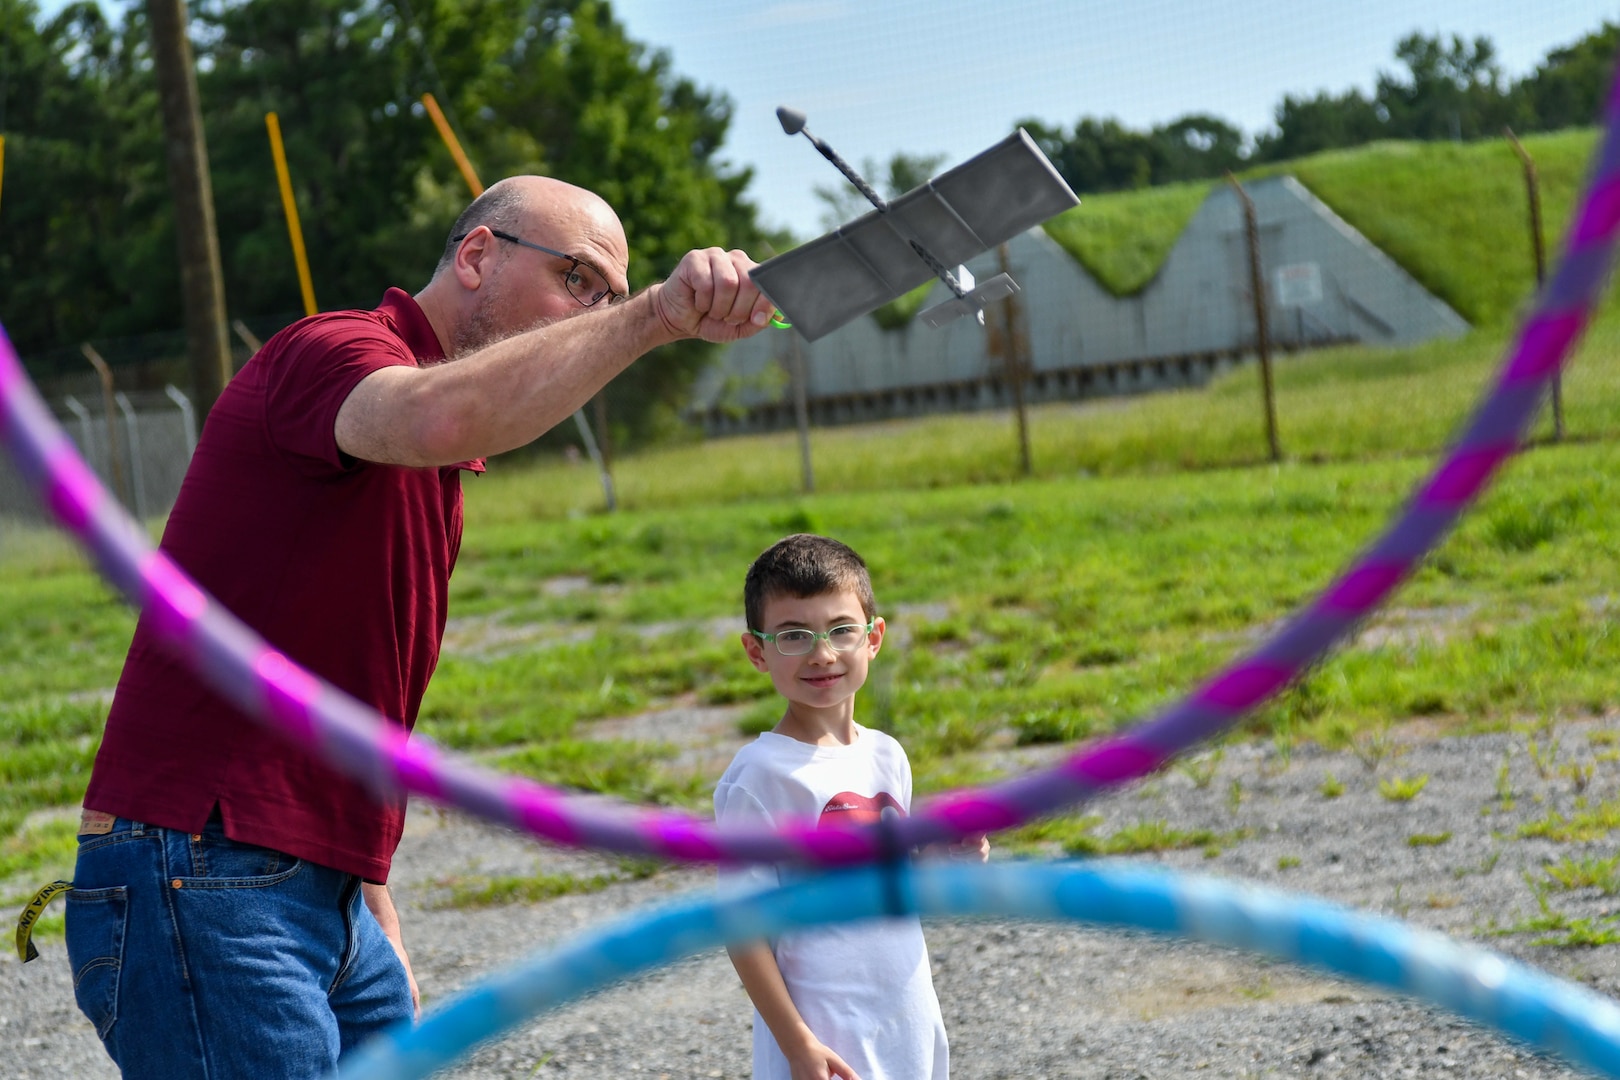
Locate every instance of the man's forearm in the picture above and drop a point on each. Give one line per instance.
(501, 397)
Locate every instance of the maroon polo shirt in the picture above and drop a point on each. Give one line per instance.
(342, 565)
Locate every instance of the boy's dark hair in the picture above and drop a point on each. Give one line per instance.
(805, 565)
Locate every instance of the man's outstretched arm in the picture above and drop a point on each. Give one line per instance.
(510, 393)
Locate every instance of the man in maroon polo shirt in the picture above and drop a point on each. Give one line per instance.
(229, 915)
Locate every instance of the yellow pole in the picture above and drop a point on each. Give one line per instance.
(450, 141)
(294, 230)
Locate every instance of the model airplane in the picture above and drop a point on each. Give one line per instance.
(962, 213)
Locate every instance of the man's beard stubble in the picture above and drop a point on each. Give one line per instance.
(484, 327)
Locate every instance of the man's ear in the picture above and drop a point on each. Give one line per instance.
(755, 649)
(472, 257)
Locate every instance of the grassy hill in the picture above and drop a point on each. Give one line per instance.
(1452, 214)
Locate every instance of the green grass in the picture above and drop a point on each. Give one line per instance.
(1151, 547)
(480, 891)
(1347, 404)
(1455, 214)
(1122, 238)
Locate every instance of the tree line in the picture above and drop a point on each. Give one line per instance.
(1444, 88)
(87, 242)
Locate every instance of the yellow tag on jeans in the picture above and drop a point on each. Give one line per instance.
(31, 914)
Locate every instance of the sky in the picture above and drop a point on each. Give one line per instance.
(953, 76)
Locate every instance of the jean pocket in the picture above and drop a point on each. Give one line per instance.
(95, 948)
(220, 863)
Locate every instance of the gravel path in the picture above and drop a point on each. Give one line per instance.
(1030, 1000)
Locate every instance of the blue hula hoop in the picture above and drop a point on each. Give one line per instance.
(1549, 1014)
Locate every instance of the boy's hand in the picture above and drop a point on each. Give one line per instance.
(817, 1062)
(972, 848)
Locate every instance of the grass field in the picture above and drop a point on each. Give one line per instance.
(1152, 544)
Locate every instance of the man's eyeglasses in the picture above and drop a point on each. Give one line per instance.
(798, 642)
(585, 282)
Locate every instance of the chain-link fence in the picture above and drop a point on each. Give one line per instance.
(139, 450)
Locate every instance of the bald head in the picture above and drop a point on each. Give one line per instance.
(537, 205)
(517, 256)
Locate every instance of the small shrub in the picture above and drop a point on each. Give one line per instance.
(1402, 789)
(1600, 874)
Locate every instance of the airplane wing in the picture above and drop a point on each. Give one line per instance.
(963, 212)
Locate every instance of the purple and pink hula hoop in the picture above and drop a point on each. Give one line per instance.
(312, 714)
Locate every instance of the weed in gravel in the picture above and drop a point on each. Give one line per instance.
(1332, 787)
(1234, 795)
(1578, 773)
(1561, 931)
(1282, 753)
(1427, 839)
(1544, 756)
(1372, 747)
(1486, 865)
(1287, 862)
(1504, 780)
(1402, 788)
(1441, 901)
(1600, 874)
(1593, 823)
(1201, 768)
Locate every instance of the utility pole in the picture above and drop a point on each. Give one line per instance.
(1013, 353)
(202, 284)
(801, 412)
(1538, 249)
(1257, 285)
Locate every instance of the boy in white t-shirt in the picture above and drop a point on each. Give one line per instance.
(851, 1000)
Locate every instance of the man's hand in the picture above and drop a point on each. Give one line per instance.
(711, 296)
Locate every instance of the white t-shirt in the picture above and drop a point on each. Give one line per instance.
(864, 988)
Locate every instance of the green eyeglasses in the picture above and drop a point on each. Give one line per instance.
(798, 642)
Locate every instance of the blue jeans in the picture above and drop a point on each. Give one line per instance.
(199, 958)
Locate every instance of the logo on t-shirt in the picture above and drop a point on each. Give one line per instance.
(847, 808)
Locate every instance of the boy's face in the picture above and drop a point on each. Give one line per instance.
(821, 678)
